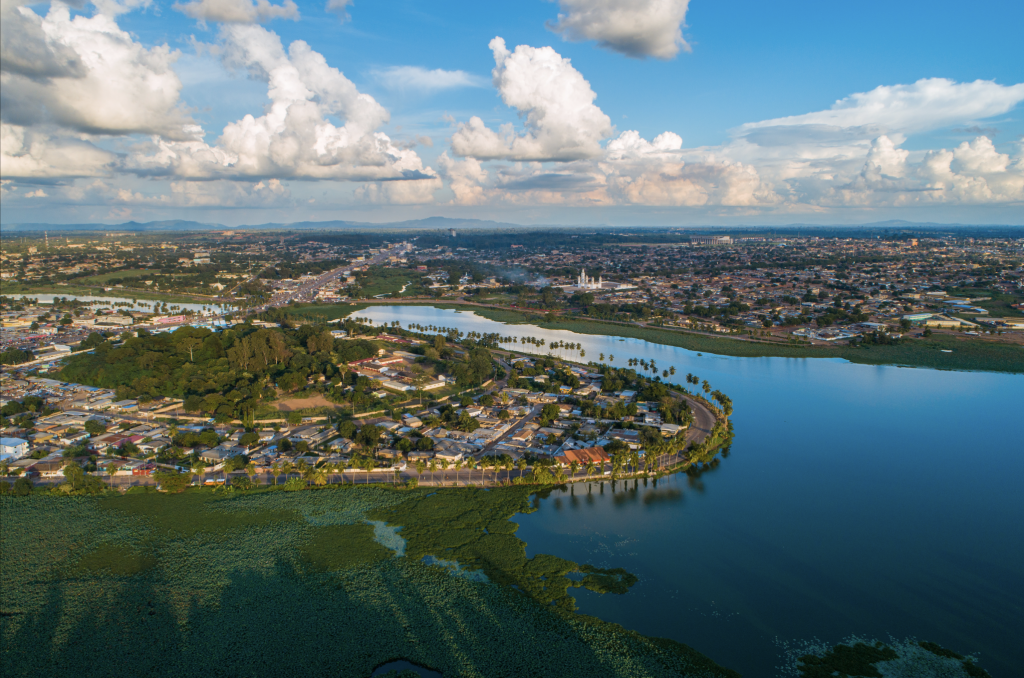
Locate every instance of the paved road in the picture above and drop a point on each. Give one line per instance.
(307, 292)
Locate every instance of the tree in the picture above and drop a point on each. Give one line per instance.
(111, 471)
(320, 477)
(521, 465)
(275, 470)
(189, 344)
(248, 439)
(294, 418)
(95, 428)
(199, 468)
(250, 470)
(574, 466)
(420, 467)
(172, 481)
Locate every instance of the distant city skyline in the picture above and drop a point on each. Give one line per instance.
(575, 112)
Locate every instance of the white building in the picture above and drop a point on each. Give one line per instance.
(584, 282)
(13, 448)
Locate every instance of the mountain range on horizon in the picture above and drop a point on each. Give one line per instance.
(439, 222)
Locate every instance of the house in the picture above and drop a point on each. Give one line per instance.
(451, 456)
(13, 448)
(586, 455)
(631, 438)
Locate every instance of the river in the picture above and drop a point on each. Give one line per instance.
(855, 500)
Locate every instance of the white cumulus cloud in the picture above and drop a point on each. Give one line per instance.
(636, 28)
(561, 120)
(238, 11)
(92, 77)
(294, 138)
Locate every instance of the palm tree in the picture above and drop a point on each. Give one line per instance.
(574, 466)
(507, 463)
(420, 467)
(521, 464)
(611, 358)
(111, 470)
(288, 468)
(458, 465)
(590, 469)
(300, 467)
(433, 468)
(250, 470)
(600, 357)
(199, 467)
(309, 473)
(672, 371)
(444, 467)
(275, 470)
(319, 476)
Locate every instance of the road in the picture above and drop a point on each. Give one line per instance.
(307, 292)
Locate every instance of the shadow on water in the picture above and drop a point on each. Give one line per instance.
(389, 618)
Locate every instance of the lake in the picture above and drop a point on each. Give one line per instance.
(855, 500)
(133, 303)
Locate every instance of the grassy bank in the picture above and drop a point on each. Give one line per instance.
(182, 585)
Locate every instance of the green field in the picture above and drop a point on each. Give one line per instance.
(103, 278)
(288, 583)
(391, 281)
(999, 306)
(328, 312)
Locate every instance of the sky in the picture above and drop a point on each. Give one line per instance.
(582, 112)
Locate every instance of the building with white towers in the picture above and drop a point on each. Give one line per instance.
(585, 283)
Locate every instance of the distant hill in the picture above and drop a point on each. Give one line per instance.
(455, 223)
(183, 225)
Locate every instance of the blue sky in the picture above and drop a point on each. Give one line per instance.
(929, 128)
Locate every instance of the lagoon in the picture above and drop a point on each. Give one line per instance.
(855, 500)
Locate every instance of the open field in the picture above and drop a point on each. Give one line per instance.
(391, 281)
(103, 278)
(205, 583)
(292, 404)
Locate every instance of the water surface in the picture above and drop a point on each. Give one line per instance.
(856, 499)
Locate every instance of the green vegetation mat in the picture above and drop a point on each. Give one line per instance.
(294, 584)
